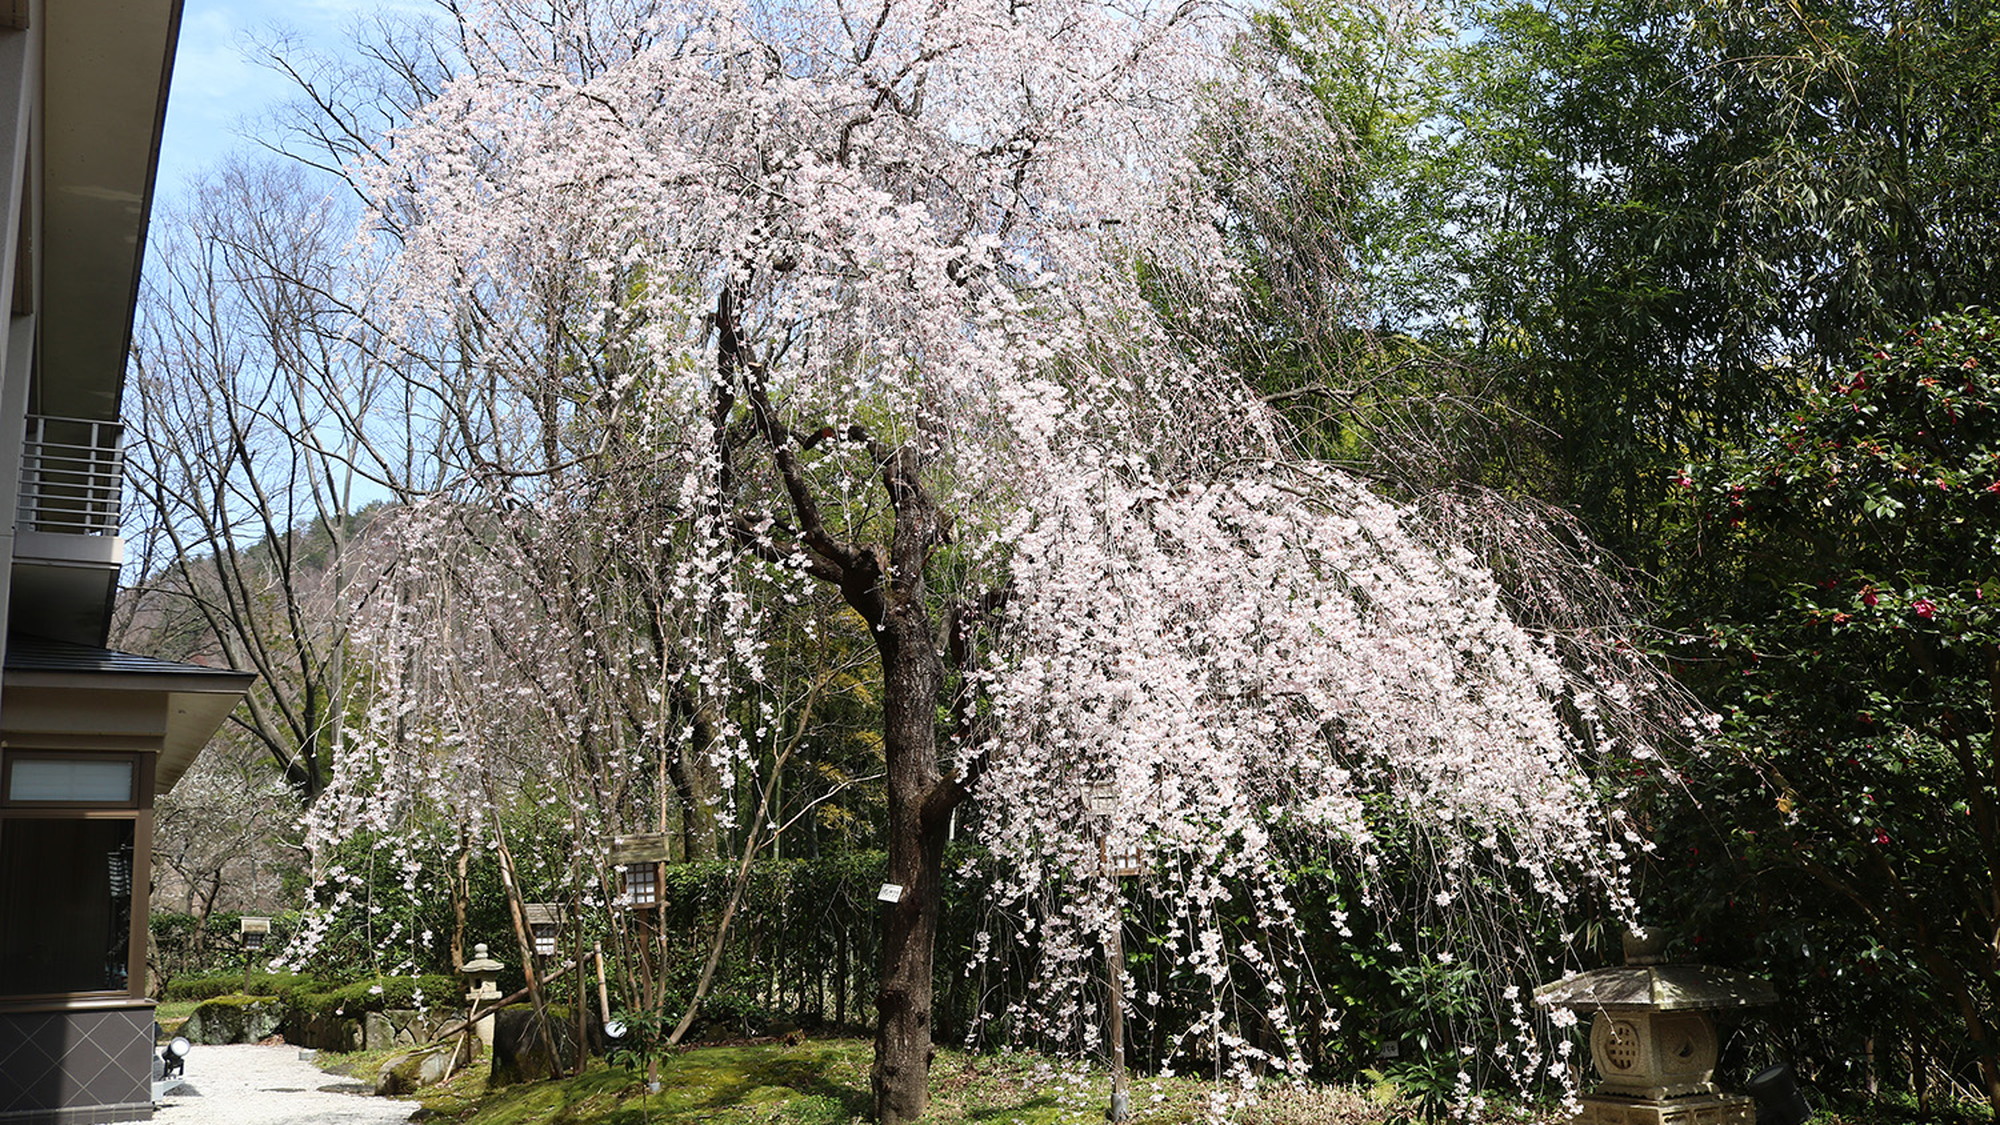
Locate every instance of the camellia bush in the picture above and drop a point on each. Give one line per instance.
(1853, 647)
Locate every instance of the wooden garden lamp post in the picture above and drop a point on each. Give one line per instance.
(641, 861)
(1102, 801)
(545, 921)
(253, 932)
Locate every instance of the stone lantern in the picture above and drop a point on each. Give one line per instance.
(482, 986)
(1653, 1040)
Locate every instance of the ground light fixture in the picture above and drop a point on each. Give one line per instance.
(1779, 1101)
(173, 1056)
(169, 1067)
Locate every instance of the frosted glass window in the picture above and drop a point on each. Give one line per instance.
(71, 780)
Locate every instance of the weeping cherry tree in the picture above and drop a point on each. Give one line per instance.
(863, 297)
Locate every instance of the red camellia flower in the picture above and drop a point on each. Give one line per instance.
(1868, 595)
(1881, 837)
(1925, 608)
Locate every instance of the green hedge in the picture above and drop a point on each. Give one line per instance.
(322, 1001)
(306, 998)
(207, 986)
(806, 942)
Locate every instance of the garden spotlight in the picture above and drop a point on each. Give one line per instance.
(1779, 1100)
(173, 1056)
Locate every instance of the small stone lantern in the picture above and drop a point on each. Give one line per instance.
(1652, 1038)
(482, 979)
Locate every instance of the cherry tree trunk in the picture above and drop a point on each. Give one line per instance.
(920, 802)
(919, 813)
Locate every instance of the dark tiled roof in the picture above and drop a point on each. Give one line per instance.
(27, 653)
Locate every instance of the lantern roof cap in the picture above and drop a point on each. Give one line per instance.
(482, 962)
(1656, 988)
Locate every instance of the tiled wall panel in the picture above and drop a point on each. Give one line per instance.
(76, 1067)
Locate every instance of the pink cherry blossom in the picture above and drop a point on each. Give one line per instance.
(924, 225)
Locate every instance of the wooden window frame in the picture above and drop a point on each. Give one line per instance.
(139, 811)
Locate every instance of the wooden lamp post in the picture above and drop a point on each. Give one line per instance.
(1101, 800)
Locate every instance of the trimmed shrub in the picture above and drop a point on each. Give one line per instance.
(350, 1001)
(210, 985)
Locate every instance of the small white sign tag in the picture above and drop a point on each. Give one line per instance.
(890, 892)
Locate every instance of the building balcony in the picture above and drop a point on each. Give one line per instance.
(67, 551)
(72, 486)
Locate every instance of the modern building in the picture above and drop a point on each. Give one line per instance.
(87, 736)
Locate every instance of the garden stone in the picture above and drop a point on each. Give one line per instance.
(521, 1054)
(233, 1019)
(410, 1071)
(383, 1031)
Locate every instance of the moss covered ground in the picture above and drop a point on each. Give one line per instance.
(825, 1082)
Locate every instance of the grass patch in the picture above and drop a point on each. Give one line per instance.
(363, 1065)
(825, 1082)
(1897, 1108)
(167, 1010)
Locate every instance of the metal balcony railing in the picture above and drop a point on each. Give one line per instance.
(72, 476)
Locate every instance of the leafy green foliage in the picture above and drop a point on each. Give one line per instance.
(1852, 645)
(185, 944)
(1574, 243)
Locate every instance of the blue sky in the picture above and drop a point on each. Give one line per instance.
(220, 91)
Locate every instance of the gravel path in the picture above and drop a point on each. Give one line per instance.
(248, 1084)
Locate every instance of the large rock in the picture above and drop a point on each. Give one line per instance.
(521, 1051)
(411, 1071)
(325, 1033)
(382, 1031)
(233, 1019)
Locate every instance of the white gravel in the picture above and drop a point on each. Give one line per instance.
(247, 1084)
